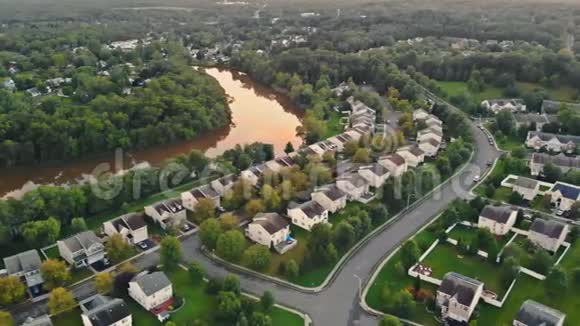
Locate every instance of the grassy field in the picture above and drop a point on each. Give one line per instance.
(333, 125)
(468, 234)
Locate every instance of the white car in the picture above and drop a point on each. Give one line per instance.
(476, 178)
(559, 212)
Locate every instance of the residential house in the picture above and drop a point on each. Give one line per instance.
(530, 119)
(548, 234)
(340, 89)
(285, 161)
(430, 147)
(426, 134)
(330, 197)
(553, 107)
(43, 320)
(168, 213)
(131, 227)
(255, 173)
(433, 121)
(359, 107)
(526, 187)
(413, 155)
(82, 249)
(34, 92)
(375, 174)
(552, 142)
(563, 162)
(223, 184)
(192, 197)
(153, 291)
(394, 163)
(26, 266)
(457, 296)
(498, 219)
(308, 214)
(497, 105)
(564, 195)
(420, 114)
(341, 139)
(100, 310)
(533, 313)
(9, 84)
(271, 230)
(354, 186)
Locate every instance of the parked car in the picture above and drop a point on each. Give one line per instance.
(476, 178)
(559, 212)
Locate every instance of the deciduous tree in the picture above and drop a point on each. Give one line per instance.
(60, 300)
(171, 254)
(55, 273)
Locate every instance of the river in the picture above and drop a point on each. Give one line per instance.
(259, 114)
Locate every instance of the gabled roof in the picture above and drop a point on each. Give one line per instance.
(81, 241)
(531, 118)
(39, 321)
(227, 180)
(505, 101)
(104, 311)
(461, 287)
(546, 136)
(131, 221)
(152, 283)
(415, 150)
(353, 178)
(271, 222)
(376, 169)
(27, 261)
(332, 192)
(526, 183)
(567, 190)
(549, 228)
(500, 214)
(559, 160)
(397, 159)
(173, 206)
(533, 313)
(312, 209)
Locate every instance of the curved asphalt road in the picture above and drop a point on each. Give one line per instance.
(338, 304)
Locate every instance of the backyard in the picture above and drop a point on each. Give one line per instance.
(467, 234)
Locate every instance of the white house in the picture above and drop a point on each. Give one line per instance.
(151, 290)
(99, 310)
(286, 161)
(497, 105)
(426, 134)
(43, 320)
(81, 249)
(394, 163)
(308, 214)
(430, 147)
(26, 266)
(552, 142)
(529, 119)
(169, 213)
(131, 227)
(528, 188)
(340, 140)
(548, 234)
(498, 220)
(254, 174)
(457, 296)
(190, 198)
(563, 162)
(353, 185)
(420, 114)
(533, 313)
(223, 184)
(271, 230)
(375, 174)
(564, 195)
(330, 197)
(433, 121)
(413, 155)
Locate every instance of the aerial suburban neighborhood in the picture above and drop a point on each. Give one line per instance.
(298, 163)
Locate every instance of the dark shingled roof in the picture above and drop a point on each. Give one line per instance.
(545, 136)
(104, 311)
(131, 221)
(27, 261)
(559, 160)
(461, 287)
(533, 313)
(152, 283)
(312, 209)
(395, 158)
(568, 191)
(499, 214)
(376, 169)
(550, 228)
(333, 193)
(271, 222)
(526, 183)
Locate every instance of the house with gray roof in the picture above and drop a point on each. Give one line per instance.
(354, 186)
(498, 105)
(82, 249)
(100, 310)
(171, 212)
(457, 296)
(131, 227)
(552, 142)
(548, 234)
(271, 230)
(43, 320)
(498, 219)
(533, 313)
(26, 266)
(330, 197)
(553, 107)
(564, 195)
(526, 187)
(529, 119)
(308, 214)
(375, 174)
(561, 161)
(151, 290)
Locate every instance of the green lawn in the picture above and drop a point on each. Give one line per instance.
(333, 125)
(80, 274)
(447, 258)
(52, 253)
(561, 93)
(468, 234)
(70, 318)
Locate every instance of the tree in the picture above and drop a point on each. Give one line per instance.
(117, 248)
(390, 321)
(104, 282)
(509, 271)
(291, 269)
(289, 148)
(350, 148)
(516, 198)
(254, 207)
(232, 284)
(267, 301)
(229, 221)
(257, 257)
(519, 152)
(271, 198)
(55, 273)
(12, 290)
(229, 305)
(196, 272)
(60, 300)
(556, 282)
(209, 232)
(443, 165)
(320, 248)
(552, 173)
(230, 245)
(343, 235)
(171, 254)
(541, 262)
(410, 253)
(362, 155)
(78, 224)
(378, 214)
(204, 209)
(6, 318)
